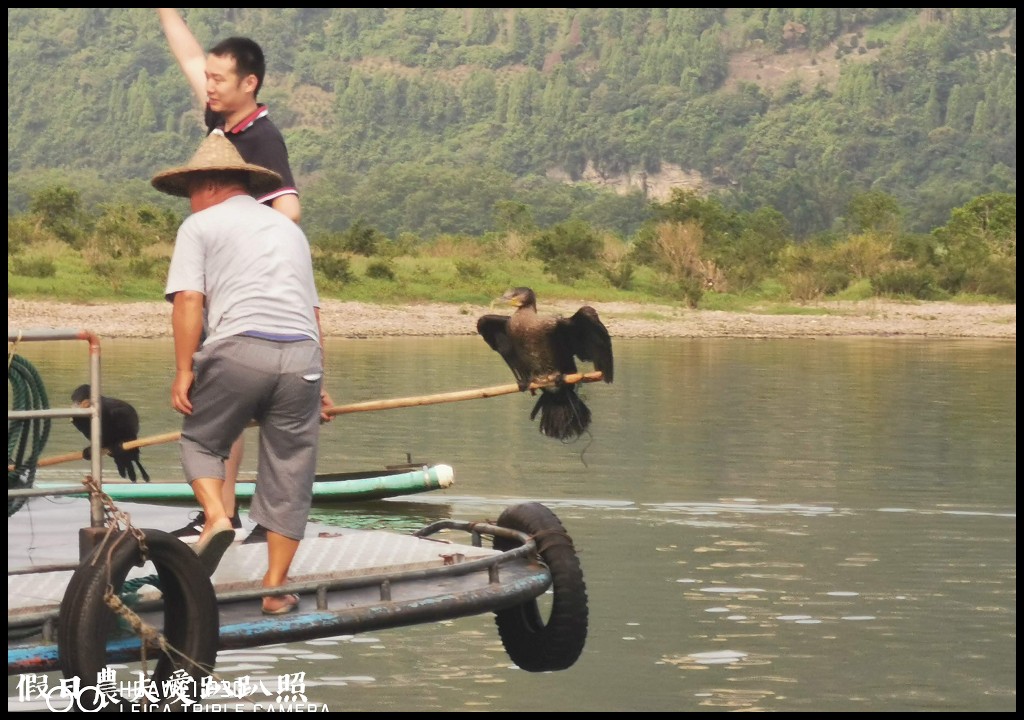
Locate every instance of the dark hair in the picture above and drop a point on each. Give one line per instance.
(248, 57)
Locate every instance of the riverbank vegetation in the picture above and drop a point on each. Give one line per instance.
(691, 250)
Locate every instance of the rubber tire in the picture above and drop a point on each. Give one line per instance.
(191, 621)
(533, 644)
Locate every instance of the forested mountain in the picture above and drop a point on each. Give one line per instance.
(425, 120)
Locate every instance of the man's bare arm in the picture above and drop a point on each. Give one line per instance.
(325, 397)
(186, 50)
(288, 205)
(187, 322)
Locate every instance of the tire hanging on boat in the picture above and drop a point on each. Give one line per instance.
(536, 645)
(191, 623)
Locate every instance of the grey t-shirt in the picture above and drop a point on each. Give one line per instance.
(253, 265)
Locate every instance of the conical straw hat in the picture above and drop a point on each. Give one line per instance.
(215, 153)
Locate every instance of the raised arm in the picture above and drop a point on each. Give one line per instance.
(186, 50)
(290, 206)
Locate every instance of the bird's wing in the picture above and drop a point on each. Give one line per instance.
(120, 422)
(588, 339)
(83, 425)
(494, 329)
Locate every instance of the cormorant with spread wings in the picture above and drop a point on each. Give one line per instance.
(544, 349)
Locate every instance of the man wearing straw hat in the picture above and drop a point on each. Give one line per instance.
(226, 82)
(246, 270)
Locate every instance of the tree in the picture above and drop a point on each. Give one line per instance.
(977, 249)
(874, 211)
(60, 211)
(987, 225)
(568, 250)
(511, 216)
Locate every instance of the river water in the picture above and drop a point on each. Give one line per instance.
(763, 525)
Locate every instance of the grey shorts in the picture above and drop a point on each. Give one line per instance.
(240, 379)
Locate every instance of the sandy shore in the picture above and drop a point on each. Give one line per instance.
(880, 318)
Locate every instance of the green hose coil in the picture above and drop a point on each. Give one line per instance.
(25, 438)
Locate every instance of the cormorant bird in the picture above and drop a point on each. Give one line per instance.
(543, 349)
(119, 423)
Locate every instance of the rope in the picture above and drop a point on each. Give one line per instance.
(130, 587)
(114, 519)
(25, 438)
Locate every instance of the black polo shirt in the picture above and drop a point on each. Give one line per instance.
(259, 142)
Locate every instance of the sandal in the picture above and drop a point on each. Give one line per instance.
(290, 603)
(211, 549)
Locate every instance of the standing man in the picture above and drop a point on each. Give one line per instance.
(244, 272)
(226, 83)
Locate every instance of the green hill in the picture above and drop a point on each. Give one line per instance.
(420, 120)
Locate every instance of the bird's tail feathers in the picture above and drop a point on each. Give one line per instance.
(563, 414)
(124, 467)
(126, 461)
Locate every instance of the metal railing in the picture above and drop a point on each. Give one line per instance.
(15, 338)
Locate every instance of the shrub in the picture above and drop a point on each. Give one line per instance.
(334, 267)
(149, 266)
(616, 266)
(859, 256)
(803, 285)
(691, 290)
(907, 280)
(60, 211)
(997, 276)
(329, 242)
(361, 239)
(514, 245)
(568, 250)
(380, 270)
(834, 280)
(619, 274)
(21, 232)
(33, 267)
(470, 269)
(123, 231)
(407, 244)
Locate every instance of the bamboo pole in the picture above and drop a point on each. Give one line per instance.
(367, 406)
(455, 396)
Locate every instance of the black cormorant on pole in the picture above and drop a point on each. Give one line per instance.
(544, 349)
(119, 423)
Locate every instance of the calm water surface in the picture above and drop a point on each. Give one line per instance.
(784, 525)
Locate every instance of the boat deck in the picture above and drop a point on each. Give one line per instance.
(340, 553)
(349, 581)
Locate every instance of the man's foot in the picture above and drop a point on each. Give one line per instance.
(280, 604)
(212, 547)
(195, 526)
